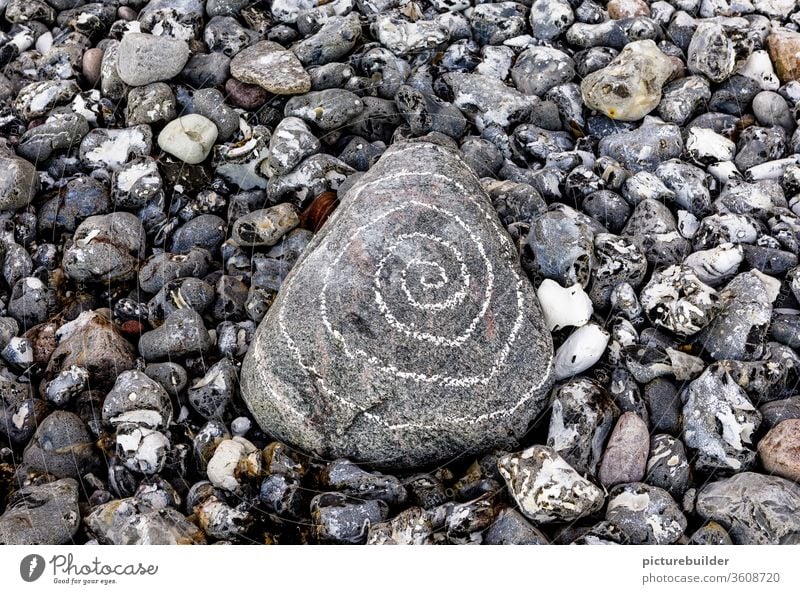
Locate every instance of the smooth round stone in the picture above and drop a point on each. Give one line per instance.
(62, 447)
(784, 50)
(143, 58)
(550, 18)
(19, 182)
(189, 138)
(106, 248)
(581, 350)
(244, 95)
(272, 67)
(91, 61)
(771, 109)
(779, 450)
(183, 333)
(378, 335)
(625, 457)
(540, 68)
(137, 398)
(648, 515)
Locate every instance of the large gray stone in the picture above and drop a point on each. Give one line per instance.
(41, 514)
(143, 59)
(407, 333)
(754, 508)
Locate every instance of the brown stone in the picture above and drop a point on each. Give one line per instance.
(42, 339)
(316, 213)
(92, 58)
(244, 95)
(95, 344)
(623, 9)
(784, 51)
(625, 458)
(780, 449)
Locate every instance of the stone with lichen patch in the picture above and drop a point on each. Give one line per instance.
(546, 488)
(719, 422)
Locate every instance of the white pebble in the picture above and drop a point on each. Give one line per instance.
(758, 67)
(232, 458)
(716, 265)
(240, 425)
(580, 351)
(189, 138)
(564, 307)
(707, 146)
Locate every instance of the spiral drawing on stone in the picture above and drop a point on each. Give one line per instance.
(408, 306)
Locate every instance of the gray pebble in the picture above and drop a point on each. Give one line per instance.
(62, 447)
(143, 59)
(182, 334)
(756, 508)
(212, 394)
(210, 103)
(344, 520)
(647, 514)
(329, 109)
(668, 467)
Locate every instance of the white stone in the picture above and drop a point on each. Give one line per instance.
(724, 172)
(758, 67)
(706, 146)
(189, 138)
(546, 487)
(580, 351)
(564, 307)
(142, 449)
(231, 459)
(688, 224)
(716, 265)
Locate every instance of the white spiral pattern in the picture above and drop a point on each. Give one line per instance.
(419, 279)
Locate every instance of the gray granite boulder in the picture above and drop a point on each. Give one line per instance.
(406, 334)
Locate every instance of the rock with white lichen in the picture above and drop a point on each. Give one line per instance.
(546, 488)
(719, 422)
